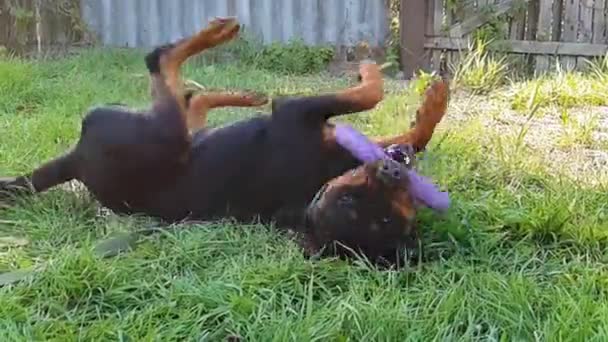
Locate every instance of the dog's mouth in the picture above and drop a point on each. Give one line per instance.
(391, 171)
(357, 191)
(402, 154)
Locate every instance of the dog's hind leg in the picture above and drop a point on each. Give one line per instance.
(430, 113)
(219, 31)
(200, 104)
(164, 65)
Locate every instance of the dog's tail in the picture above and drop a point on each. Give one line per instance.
(54, 172)
(430, 113)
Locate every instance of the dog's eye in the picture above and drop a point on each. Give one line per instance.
(385, 220)
(346, 200)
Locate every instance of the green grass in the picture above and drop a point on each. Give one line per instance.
(521, 255)
(482, 72)
(478, 70)
(562, 90)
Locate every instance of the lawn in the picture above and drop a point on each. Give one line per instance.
(521, 255)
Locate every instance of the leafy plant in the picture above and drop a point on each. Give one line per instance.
(562, 89)
(599, 67)
(422, 81)
(393, 45)
(578, 131)
(479, 71)
(294, 57)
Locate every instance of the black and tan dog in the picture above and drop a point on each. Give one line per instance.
(267, 167)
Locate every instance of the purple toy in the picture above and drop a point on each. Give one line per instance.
(422, 189)
(358, 144)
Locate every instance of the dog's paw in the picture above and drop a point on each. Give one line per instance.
(222, 29)
(435, 103)
(223, 26)
(5, 181)
(256, 99)
(219, 23)
(6, 189)
(13, 186)
(366, 67)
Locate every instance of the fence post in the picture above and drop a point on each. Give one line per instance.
(412, 27)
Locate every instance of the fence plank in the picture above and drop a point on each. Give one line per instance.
(526, 47)
(518, 26)
(570, 31)
(449, 21)
(482, 3)
(438, 10)
(544, 33)
(152, 22)
(411, 36)
(558, 17)
(429, 30)
(549, 31)
(532, 20)
(586, 20)
(599, 22)
(558, 9)
(531, 29)
(467, 25)
(585, 33)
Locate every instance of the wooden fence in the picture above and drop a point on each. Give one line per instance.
(344, 24)
(40, 25)
(546, 31)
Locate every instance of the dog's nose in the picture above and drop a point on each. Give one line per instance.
(390, 171)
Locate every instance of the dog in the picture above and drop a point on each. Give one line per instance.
(165, 163)
(371, 209)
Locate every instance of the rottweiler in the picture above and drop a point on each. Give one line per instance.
(166, 164)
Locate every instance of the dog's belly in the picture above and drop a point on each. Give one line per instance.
(255, 167)
(259, 169)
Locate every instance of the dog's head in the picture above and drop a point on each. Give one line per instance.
(368, 210)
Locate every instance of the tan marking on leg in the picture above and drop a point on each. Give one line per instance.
(429, 114)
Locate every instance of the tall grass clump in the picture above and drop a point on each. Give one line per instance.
(565, 89)
(561, 89)
(480, 71)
